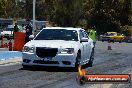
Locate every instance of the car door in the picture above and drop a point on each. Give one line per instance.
(87, 46)
(84, 47)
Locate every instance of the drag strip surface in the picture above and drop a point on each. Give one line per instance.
(116, 61)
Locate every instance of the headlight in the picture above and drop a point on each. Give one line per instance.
(67, 51)
(28, 49)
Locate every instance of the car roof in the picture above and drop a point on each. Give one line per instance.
(66, 28)
(111, 32)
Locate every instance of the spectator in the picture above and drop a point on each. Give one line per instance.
(28, 29)
(23, 28)
(93, 35)
(16, 29)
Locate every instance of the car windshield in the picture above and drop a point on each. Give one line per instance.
(57, 34)
(110, 34)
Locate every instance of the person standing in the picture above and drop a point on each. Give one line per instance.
(28, 29)
(93, 35)
(16, 29)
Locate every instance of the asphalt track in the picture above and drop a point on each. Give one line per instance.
(115, 61)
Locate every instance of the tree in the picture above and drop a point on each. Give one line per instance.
(42, 9)
(89, 11)
(12, 9)
(3, 4)
(66, 12)
(105, 15)
(61, 12)
(126, 12)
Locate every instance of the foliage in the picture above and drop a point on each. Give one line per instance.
(3, 4)
(105, 15)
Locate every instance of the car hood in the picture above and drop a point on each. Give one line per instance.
(52, 43)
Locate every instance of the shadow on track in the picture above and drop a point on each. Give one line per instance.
(53, 69)
(50, 69)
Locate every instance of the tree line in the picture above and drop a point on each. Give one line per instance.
(105, 15)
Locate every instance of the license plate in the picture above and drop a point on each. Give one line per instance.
(47, 59)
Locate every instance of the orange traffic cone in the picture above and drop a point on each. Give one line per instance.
(109, 46)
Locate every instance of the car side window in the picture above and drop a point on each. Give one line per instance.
(81, 34)
(84, 34)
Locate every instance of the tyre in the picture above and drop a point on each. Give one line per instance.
(81, 80)
(113, 40)
(78, 58)
(120, 41)
(90, 63)
(26, 67)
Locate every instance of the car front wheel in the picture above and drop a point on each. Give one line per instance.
(120, 41)
(78, 58)
(26, 67)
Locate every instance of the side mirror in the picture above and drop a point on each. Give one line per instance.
(84, 39)
(31, 37)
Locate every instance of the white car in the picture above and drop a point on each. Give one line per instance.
(8, 32)
(59, 46)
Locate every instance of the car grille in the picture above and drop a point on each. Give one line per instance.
(46, 52)
(45, 62)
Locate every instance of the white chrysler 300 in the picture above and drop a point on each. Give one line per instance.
(59, 46)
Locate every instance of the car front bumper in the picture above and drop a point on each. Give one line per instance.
(60, 60)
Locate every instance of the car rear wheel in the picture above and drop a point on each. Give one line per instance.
(90, 63)
(119, 41)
